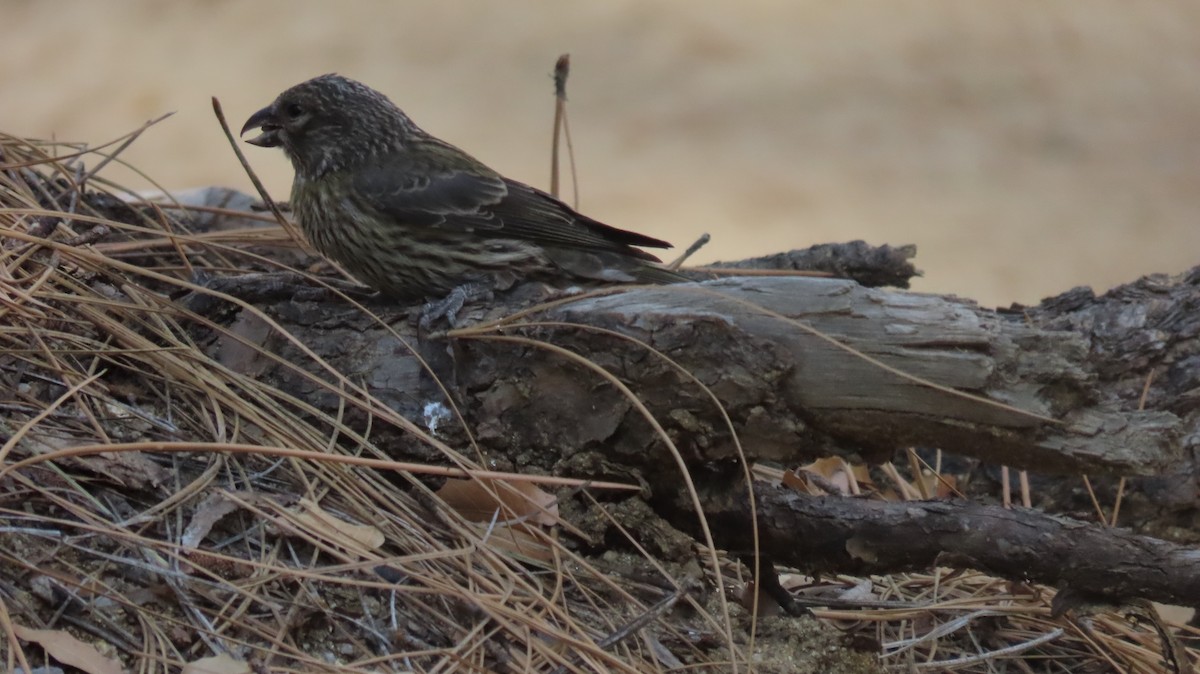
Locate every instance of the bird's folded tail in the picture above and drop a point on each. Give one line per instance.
(656, 274)
(610, 266)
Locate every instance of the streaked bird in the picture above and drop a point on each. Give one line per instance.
(415, 217)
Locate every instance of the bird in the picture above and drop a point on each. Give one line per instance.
(415, 217)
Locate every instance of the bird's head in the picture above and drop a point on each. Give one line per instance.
(329, 123)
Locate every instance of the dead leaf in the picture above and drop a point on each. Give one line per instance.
(242, 349)
(68, 650)
(134, 470)
(947, 486)
(862, 476)
(791, 581)
(863, 591)
(858, 548)
(798, 480)
(479, 500)
(208, 513)
(833, 468)
(515, 541)
(315, 520)
(831, 475)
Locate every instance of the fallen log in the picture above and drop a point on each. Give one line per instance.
(803, 367)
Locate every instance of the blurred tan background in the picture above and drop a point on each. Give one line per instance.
(1026, 146)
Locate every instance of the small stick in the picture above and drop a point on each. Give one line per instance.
(1100, 516)
(562, 69)
(121, 148)
(634, 625)
(1121, 485)
(262, 191)
(86, 150)
(97, 232)
(691, 250)
(644, 619)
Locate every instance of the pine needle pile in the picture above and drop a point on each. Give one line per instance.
(163, 509)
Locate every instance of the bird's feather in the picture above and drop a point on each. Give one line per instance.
(446, 188)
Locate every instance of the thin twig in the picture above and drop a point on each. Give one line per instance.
(297, 454)
(51, 160)
(691, 250)
(1087, 484)
(562, 69)
(262, 191)
(1121, 484)
(137, 133)
(630, 628)
(641, 621)
(963, 662)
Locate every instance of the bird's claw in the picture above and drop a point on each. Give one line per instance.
(449, 306)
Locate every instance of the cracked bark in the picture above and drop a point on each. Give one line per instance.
(1053, 389)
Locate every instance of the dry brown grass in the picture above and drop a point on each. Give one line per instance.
(164, 507)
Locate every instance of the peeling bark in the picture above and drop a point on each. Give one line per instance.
(804, 367)
(967, 380)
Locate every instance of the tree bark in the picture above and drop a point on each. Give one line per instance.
(803, 367)
(854, 370)
(832, 534)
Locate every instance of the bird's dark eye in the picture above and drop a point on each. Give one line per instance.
(293, 110)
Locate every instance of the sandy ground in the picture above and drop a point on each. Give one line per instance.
(1025, 146)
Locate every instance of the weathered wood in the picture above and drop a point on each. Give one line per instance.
(963, 379)
(863, 536)
(951, 343)
(871, 266)
(803, 367)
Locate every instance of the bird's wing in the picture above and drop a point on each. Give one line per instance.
(433, 184)
(413, 189)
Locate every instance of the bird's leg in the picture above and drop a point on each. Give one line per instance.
(449, 306)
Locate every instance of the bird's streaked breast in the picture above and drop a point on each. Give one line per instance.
(404, 260)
